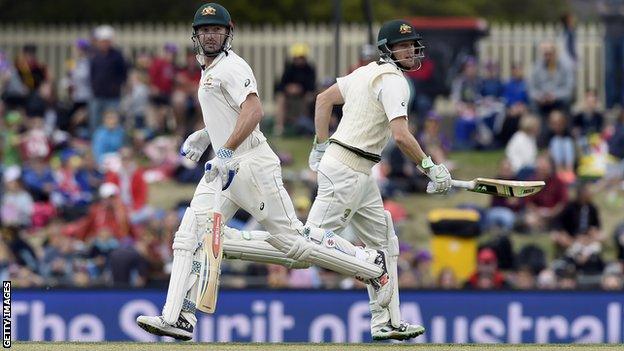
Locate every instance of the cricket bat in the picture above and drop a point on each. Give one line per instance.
(500, 187)
(213, 254)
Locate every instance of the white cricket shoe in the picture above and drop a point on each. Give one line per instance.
(403, 332)
(181, 330)
(382, 284)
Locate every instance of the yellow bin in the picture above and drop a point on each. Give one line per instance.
(459, 254)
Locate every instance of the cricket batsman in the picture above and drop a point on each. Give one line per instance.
(375, 100)
(232, 110)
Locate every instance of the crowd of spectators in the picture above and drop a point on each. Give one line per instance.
(79, 151)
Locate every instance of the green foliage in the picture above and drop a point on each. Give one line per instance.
(273, 11)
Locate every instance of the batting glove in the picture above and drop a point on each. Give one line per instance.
(440, 176)
(195, 145)
(318, 150)
(221, 166)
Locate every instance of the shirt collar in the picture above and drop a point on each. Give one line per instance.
(202, 60)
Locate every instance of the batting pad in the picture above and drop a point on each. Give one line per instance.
(327, 256)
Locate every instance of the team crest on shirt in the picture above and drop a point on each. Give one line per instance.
(209, 11)
(404, 29)
(207, 83)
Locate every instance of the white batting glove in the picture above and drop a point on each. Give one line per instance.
(318, 150)
(221, 166)
(195, 145)
(440, 176)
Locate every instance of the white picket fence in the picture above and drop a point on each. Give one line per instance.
(266, 47)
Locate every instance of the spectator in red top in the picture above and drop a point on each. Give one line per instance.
(110, 213)
(133, 189)
(183, 101)
(35, 143)
(487, 275)
(162, 73)
(546, 205)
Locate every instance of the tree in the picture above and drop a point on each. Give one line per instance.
(272, 11)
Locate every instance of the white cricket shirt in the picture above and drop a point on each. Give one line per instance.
(223, 87)
(374, 95)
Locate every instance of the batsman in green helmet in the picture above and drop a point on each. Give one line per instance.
(213, 30)
(400, 44)
(374, 101)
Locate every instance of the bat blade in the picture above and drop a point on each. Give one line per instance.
(500, 187)
(211, 268)
(506, 188)
(213, 254)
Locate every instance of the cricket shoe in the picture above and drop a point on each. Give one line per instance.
(181, 330)
(403, 332)
(382, 284)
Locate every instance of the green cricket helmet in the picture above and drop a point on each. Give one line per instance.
(212, 14)
(398, 31)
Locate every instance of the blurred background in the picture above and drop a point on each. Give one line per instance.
(98, 97)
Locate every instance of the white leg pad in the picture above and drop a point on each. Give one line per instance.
(185, 243)
(323, 251)
(188, 305)
(393, 257)
(251, 246)
(380, 316)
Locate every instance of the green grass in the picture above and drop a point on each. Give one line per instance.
(127, 346)
(416, 229)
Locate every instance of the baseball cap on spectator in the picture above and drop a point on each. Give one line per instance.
(299, 50)
(486, 256)
(405, 247)
(12, 174)
(171, 47)
(104, 32)
(108, 189)
(83, 43)
(423, 256)
(433, 116)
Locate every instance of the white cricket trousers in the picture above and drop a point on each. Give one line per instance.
(347, 197)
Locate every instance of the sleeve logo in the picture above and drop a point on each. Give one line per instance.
(247, 82)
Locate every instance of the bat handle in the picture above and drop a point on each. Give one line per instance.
(217, 194)
(470, 185)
